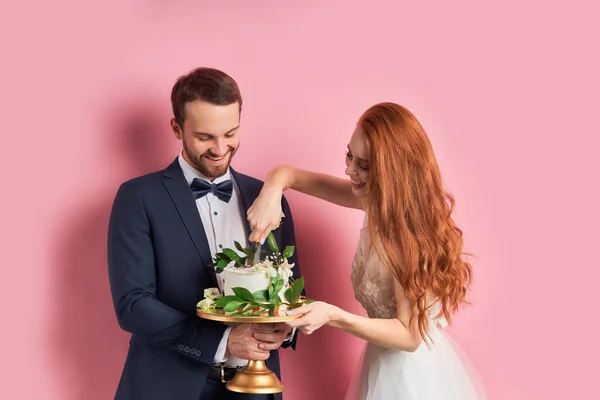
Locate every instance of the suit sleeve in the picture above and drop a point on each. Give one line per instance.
(132, 276)
(288, 238)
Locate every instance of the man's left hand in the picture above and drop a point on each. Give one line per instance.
(271, 336)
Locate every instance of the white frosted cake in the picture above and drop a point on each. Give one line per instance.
(265, 283)
(244, 277)
(255, 278)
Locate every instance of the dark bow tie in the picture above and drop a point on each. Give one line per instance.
(201, 188)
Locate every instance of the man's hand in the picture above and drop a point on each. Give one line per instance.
(243, 345)
(271, 336)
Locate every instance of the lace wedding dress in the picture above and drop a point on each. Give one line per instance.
(430, 373)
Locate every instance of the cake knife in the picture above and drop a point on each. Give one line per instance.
(257, 254)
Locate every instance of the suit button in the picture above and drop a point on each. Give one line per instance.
(186, 349)
(180, 347)
(198, 353)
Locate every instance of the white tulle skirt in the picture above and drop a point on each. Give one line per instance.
(438, 372)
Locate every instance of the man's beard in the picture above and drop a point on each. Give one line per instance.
(202, 164)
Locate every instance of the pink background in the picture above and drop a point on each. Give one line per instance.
(507, 93)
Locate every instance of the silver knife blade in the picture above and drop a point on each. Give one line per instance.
(257, 254)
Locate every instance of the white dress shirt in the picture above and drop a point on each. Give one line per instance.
(223, 223)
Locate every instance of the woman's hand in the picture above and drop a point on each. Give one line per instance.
(265, 213)
(314, 316)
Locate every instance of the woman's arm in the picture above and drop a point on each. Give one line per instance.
(265, 213)
(394, 333)
(326, 187)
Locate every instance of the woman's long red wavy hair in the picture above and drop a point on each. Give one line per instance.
(410, 214)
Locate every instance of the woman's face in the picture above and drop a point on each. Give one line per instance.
(357, 164)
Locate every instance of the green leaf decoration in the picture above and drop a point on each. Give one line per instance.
(276, 281)
(297, 288)
(261, 295)
(223, 301)
(231, 254)
(278, 286)
(289, 295)
(244, 294)
(272, 292)
(239, 246)
(289, 251)
(233, 305)
(272, 243)
(221, 265)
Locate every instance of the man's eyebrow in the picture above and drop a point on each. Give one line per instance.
(209, 135)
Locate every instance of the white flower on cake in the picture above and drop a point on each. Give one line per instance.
(212, 293)
(210, 296)
(207, 305)
(285, 270)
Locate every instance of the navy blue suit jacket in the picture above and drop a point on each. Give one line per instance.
(157, 261)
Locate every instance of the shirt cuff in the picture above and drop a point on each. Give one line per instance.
(291, 336)
(222, 349)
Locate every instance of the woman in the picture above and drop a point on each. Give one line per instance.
(409, 271)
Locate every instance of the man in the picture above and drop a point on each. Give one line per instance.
(165, 228)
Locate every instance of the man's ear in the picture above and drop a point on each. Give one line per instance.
(177, 130)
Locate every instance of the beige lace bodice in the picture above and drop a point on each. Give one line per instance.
(373, 284)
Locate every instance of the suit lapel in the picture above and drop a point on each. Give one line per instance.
(183, 199)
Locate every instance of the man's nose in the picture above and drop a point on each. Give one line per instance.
(219, 148)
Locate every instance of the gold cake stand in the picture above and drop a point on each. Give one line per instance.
(256, 377)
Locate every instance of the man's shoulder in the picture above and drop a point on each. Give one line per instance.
(143, 184)
(152, 179)
(141, 181)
